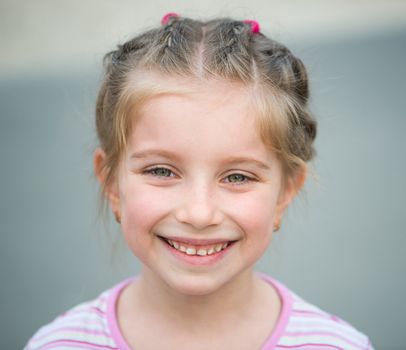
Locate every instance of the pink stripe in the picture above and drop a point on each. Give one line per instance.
(77, 344)
(317, 314)
(314, 322)
(94, 309)
(286, 300)
(310, 346)
(294, 334)
(111, 314)
(72, 329)
(97, 310)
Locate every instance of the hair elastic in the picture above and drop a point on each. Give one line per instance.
(254, 25)
(165, 19)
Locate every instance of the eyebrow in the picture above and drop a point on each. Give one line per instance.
(230, 160)
(248, 160)
(153, 152)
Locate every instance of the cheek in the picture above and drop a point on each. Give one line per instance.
(254, 213)
(141, 209)
(141, 203)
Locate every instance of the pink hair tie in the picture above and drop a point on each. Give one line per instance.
(165, 19)
(254, 25)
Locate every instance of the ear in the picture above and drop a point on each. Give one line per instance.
(111, 190)
(288, 192)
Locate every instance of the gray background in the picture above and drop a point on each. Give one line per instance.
(342, 244)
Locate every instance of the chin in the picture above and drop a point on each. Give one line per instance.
(195, 285)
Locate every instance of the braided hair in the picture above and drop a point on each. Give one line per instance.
(224, 49)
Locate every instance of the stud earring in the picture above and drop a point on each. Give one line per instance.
(117, 216)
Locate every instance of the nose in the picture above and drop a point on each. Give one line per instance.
(198, 207)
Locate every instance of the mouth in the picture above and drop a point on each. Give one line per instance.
(197, 249)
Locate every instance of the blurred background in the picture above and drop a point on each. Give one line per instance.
(342, 244)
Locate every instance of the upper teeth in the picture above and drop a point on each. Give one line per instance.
(192, 250)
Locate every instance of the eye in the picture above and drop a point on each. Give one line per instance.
(238, 178)
(160, 172)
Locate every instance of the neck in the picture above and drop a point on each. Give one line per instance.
(228, 304)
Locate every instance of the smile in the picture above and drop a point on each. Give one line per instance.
(194, 249)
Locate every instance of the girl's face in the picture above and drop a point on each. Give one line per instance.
(198, 192)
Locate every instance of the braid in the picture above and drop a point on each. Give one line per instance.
(228, 49)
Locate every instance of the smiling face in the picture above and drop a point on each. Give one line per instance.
(198, 191)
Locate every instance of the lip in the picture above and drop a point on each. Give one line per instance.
(197, 260)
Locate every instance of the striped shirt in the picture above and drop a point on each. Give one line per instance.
(93, 325)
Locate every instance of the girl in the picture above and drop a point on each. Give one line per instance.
(204, 134)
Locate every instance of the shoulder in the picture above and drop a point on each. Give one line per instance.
(83, 326)
(309, 325)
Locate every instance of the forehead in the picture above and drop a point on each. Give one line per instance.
(203, 99)
(146, 91)
(217, 116)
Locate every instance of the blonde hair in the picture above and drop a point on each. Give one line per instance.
(223, 49)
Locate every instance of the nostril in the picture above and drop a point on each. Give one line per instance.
(199, 215)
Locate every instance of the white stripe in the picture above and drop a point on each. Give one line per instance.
(318, 339)
(60, 335)
(316, 324)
